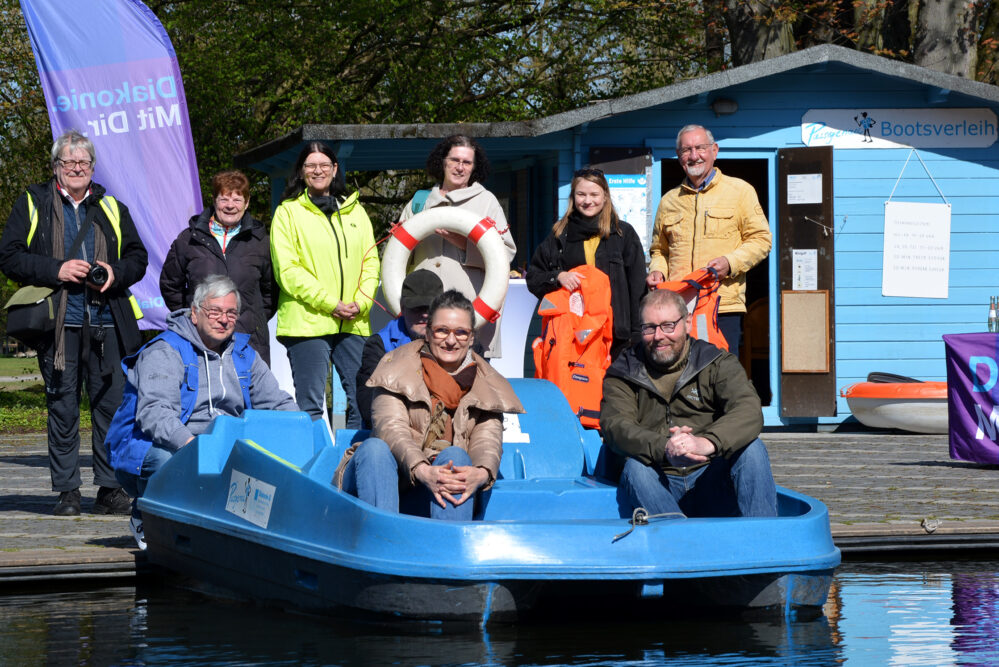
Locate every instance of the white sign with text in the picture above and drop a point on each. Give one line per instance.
(917, 250)
(898, 128)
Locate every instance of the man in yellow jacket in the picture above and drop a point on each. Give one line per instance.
(709, 220)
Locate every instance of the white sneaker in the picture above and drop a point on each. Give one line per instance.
(135, 525)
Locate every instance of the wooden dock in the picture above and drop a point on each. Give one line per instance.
(885, 493)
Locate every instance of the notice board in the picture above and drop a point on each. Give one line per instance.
(804, 331)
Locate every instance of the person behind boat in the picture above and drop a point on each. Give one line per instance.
(458, 165)
(57, 232)
(438, 422)
(419, 289)
(226, 240)
(160, 413)
(591, 233)
(688, 420)
(710, 220)
(323, 250)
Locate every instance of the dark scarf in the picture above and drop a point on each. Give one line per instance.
(446, 391)
(579, 229)
(326, 203)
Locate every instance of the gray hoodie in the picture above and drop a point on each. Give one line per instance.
(159, 371)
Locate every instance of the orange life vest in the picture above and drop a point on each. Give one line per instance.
(700, 290)
(576, 336)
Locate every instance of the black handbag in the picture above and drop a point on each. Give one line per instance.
(31, 314)
(31, 311)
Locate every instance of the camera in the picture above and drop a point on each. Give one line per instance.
(97, 275)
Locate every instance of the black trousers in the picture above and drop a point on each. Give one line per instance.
(101, 370)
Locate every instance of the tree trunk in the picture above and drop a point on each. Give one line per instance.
(868, 18)
(945, 38)
(756, 32)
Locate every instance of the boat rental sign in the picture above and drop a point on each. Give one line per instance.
(899, 128)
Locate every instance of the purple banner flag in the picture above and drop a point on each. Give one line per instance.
(108, 70)
(972, 396)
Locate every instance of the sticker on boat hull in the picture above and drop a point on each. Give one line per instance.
(250, 498)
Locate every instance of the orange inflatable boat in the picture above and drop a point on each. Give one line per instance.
(893, 401)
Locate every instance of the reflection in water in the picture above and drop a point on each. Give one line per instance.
(907, 613)
(903, 614)
(976, 617)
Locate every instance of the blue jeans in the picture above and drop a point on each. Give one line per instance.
(135, 485)
(372, 475)
(310, 360)
(740, 486)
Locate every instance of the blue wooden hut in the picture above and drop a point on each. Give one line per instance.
(827, 136)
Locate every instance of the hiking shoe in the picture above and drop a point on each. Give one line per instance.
(69, 503)
(112, 501)
(135, 525)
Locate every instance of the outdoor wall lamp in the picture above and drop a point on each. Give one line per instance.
(724, 106)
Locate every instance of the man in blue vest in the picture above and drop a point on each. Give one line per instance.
(180, 381)
(419, 289)
(69, 235)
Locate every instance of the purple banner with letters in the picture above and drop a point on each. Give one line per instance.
(973, 396)
(108, 70)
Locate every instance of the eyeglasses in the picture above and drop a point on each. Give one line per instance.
(687, 150)
(441, 333)
(236, 201)
(323, 167)
(463, 163)
(649, 329)
(69, 164)
(588, 171)
(214, 313)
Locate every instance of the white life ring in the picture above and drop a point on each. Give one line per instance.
(481, 231)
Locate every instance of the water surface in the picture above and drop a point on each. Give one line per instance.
(905, 613)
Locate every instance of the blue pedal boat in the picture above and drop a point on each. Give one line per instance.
(249, 507)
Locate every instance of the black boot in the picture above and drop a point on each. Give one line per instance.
(69, 503)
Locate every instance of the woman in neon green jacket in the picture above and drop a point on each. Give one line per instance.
(326, 264)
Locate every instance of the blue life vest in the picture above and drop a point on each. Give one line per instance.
(126, 443)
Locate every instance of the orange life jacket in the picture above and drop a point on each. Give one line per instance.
(700, 290)
(576, 336)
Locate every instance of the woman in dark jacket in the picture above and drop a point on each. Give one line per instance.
(226, 240)
(591, 233)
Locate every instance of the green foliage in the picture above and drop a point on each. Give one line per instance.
(22, 399)
(25, 135)
(24, 410)
(255, 70)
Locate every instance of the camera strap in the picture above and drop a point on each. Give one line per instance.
(78, 241)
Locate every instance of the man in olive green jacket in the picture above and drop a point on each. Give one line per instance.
(688, 420)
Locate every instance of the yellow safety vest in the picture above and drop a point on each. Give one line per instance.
(113, 213)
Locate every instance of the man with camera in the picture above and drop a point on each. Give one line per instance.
(67, 234)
